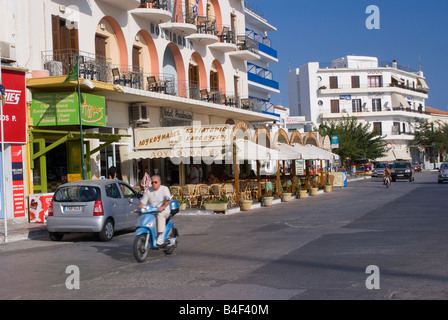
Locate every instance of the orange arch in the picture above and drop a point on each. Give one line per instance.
(202, 71)
(281, 136)
(311, 138)
(296, 137)
(218, 15)
(200, 8)
(180, 68)
(241, 128)
(221, 77)
(118, 31)
(262, 130)
(153, 56)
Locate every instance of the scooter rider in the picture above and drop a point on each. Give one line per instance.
(158, 196)
(387, 173)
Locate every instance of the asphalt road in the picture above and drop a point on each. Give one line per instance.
(316, 248)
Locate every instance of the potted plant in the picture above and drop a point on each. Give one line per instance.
(286, 196)
(314, 188)
(328, 188)
(219, 204)
(246, 205)
(267, 200)
(302, 192)
(182, 203)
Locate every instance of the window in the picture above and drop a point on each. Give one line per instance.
(375, 81)
(396, 128)
(355, 81)
(356, 105)
(128, 192)
(112, 191)
(376, 105)
(333, 82)
(334, 106)
(377, 127)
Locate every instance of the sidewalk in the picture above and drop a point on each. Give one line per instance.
(21, 229)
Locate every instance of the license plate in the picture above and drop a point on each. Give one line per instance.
(72, 209)
(400, 175)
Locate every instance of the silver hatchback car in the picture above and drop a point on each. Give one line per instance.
(443, 173)
(100, 206)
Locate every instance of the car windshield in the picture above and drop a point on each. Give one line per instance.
(401, 165)
(444, 166)
(380, 166)
(77, 194)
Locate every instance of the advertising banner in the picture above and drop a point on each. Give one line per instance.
(39, 205)
(14, 109)
(61, 109)
(18, 187)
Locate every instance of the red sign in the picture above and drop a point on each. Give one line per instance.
(14, 109)
(18, 187)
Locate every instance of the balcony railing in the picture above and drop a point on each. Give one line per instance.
(262, 76)
(99, 68)
(264, 43)
(156, 4)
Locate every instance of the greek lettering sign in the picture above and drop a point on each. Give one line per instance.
(182, 137)
(60, 109)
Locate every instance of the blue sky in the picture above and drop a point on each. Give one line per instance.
(321, 31)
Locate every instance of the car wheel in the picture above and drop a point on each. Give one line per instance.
(107, 233)
(56, 236)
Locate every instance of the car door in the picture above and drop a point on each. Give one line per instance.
(115, 203)
(130, 203)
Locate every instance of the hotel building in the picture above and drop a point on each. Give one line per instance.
(384, 94)
(143, 65)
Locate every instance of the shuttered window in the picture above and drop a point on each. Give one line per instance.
(334, 106)
(333, 82)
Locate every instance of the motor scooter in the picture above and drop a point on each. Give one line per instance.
(146, 232)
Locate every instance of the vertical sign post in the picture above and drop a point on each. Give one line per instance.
(3, 202)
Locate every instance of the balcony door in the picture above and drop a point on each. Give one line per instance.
(65, 42)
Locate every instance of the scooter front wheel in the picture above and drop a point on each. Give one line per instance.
(140, 250)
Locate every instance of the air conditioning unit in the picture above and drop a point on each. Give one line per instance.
(8, 51)
(139, 114)
(54, 67)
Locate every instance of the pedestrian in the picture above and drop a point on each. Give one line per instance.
(146, 182)
(112, 173)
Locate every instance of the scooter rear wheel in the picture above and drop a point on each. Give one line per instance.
(140, 251)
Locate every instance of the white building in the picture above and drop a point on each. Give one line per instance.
(387, 96)
(151, 64)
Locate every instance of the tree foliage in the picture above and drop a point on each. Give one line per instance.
(356, 140)
(432, 135)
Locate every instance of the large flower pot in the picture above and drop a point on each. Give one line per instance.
(183, 206)
(267, 201)
(302, 194)
(313, 191)
(246, 205)
(286, 197)
(219, 207)
(328, 188)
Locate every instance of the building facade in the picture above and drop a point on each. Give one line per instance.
(141, 64)
(386, 95)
